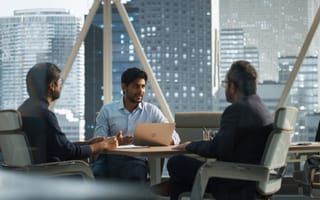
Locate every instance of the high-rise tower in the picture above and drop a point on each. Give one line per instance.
(42, 35)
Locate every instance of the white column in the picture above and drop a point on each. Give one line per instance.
(107, 52)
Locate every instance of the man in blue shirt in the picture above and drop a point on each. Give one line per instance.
(119, 119)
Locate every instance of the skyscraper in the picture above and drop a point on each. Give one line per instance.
(42, 35)
(304, 92)
(176, 36)
(275, 27)
(231, 48)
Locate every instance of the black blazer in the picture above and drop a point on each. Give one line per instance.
(47, 141)
(244, 129)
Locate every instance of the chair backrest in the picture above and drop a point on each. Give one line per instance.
(277, 147)
(13, 143)
(190, 125)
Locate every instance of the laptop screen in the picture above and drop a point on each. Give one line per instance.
(153, 134)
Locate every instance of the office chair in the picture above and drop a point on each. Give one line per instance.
(268, 174)
(17, 153)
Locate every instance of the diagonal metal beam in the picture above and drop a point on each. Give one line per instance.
(80, 39)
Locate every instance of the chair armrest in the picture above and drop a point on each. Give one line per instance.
(227, 170)
(64, 168)
(232, 170)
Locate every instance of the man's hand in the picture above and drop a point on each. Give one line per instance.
(181, 146)
(124, 140)
(106, 143)
(111, 142)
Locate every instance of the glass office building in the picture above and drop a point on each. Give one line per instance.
(42, 35)
(275, 27)
(304, 92)
(176, 36)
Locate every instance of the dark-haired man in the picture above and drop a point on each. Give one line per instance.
(47, 141)
(244, 129)
(119, 119)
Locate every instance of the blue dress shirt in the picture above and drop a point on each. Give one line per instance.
(114, 117)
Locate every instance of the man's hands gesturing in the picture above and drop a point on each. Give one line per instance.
(124, 140)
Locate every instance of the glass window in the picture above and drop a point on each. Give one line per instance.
(179, 43)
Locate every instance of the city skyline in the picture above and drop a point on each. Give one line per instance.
(278, 28)
(169, 48)
(42, 35)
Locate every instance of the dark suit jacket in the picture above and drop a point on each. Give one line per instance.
(47, 141)
(244, 130)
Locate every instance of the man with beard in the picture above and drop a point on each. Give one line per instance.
(119, 119)
(45, 137)
(244, 129)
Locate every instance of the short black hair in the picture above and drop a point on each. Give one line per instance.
(39, 77)
(132, 74)
(244, 76)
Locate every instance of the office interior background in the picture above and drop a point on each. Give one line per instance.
(187, 59)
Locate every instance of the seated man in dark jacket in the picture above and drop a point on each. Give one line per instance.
(244, 129)
(47, 141)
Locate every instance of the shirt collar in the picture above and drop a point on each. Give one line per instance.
(121, 105)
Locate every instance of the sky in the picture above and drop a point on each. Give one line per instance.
(76, 7)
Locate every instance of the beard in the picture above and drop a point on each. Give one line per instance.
(228, 96)
(55, 95)
(134, 98)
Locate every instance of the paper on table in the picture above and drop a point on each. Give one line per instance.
(302, 143)
(130, 146)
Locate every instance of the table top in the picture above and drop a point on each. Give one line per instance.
(304, 146)
(147, 151)
(164, 151)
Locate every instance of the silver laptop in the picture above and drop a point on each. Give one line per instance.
(153, 134)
